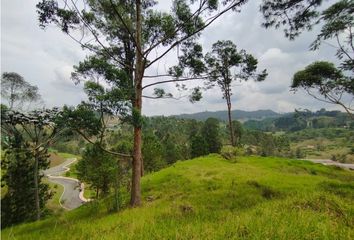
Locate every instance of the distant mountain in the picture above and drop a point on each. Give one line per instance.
(236, 115)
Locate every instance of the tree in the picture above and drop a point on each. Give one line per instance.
(225, 66)
(238, 132)
(210, 134)
(17, 91)
(26, 138)
(198, 146)
(90, 120)
(325, 79)
(97, 168)
(337, 23)
(152, 152)
(124, 36)
(19, 204)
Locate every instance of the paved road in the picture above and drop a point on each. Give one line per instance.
(70, 198)
(330, 162)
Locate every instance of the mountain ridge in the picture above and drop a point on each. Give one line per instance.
(236, 114)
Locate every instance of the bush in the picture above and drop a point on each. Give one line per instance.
(299, 153)
(229, 152)
(339, 158)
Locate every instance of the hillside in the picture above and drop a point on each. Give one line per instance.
(236, 114)
(212, 198)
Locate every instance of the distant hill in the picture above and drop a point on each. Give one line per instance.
(236, 114)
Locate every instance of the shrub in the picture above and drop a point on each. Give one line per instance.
(229, 152)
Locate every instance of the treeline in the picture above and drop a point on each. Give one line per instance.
(300, 120)
(169, 139)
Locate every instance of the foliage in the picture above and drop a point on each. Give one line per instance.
(97, 168)
(153, 153)
(329, 81)
(266, 144)
(18, 164)
(295, 16)
(16, 90)
(31, 135)
(173, 135)
(299, 120)
(199, 146)
(235, 114)
(238, 132)
(123, 37)
(210, 133)
(337, 22)
(232, 153)
(226, 65)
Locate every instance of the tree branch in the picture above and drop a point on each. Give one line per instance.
(173, 80)
(125, 26)
(211, 20)
(157, 76)
(94, 35)
(178, 28)
(100, 146)
(163, 97)
(341, 47)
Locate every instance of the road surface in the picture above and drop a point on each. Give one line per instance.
(330, 162)
(71, 197)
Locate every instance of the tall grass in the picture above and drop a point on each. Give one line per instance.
(212, 198)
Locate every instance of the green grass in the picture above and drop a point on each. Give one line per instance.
(89, 193)
(72, 172)
(68, 155)
(53, 203)
(211, 198)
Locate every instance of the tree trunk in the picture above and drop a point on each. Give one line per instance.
(36, 188)
(232, 137)
(117, 187)
(135, 199)
(136, 190)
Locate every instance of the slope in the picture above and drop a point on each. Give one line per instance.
(212, 198)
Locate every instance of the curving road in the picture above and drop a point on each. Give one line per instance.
(72, 197)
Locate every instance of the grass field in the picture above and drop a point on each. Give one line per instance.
(212, 198)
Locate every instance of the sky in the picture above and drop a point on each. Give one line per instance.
(46, 58)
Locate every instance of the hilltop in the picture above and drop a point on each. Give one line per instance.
(236, 115)
(213, 198)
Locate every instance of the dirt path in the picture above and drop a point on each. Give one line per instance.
(330, 162)
(72, 196)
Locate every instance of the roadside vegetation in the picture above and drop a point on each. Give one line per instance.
(53, 204)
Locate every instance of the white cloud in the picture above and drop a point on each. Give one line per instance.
(45, 58)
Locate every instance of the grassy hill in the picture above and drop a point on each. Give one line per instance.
(212, 198)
